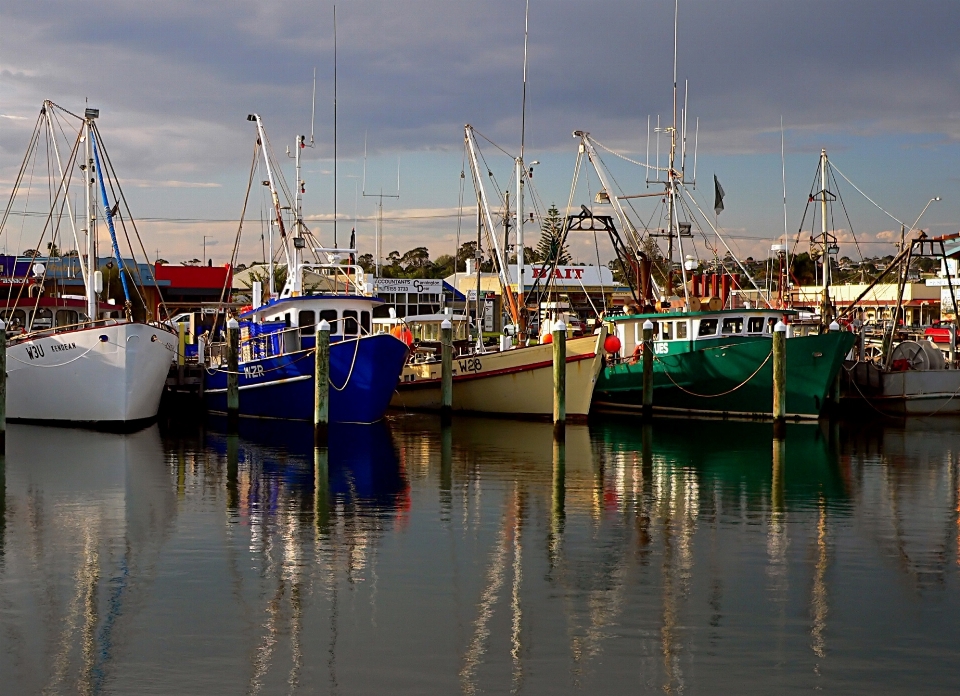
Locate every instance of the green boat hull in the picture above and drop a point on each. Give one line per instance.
(731, 377)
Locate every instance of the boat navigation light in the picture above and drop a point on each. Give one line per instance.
(690, 264)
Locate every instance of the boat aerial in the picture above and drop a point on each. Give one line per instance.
(69, 359)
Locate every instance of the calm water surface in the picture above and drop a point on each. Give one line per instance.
(685, 557)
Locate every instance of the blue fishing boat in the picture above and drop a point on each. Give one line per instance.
(277, 361)
(278, 337)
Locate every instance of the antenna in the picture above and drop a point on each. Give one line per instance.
(378, 236)
(647, 161)
(313, 106)
(783, 174)
(696, 141)
(334, 126)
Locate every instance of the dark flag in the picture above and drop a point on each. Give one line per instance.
(718, 195)
(353, 245)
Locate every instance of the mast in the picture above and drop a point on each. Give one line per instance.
(276, 207)
(335, 127)
(521, 176)
(825, 295)
(47, 105)
(488, 220)
(90, 200)
(672, 176)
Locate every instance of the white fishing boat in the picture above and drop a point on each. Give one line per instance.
(78, 364)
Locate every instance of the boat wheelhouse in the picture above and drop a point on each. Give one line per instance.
(719, 363)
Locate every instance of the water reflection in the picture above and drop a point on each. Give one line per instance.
(479, 557)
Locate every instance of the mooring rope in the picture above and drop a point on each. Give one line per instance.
(713, 396)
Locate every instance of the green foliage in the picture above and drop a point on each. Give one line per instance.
(549, 248)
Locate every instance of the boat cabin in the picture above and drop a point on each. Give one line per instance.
(32, 314)
(289, 324)
(677, 332)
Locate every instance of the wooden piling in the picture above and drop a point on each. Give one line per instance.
(321, 393)
(233, 372)
(446, 370)
(181, 350)
(3, 387)
(953, 346)
(647, 412)
(559, 379)
(779, 377)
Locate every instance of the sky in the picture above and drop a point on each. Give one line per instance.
(875, 83)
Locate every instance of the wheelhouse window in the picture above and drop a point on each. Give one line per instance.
(708, 327)
(732, 325)
(67, 317)
(306, 320)
(365, 322)
(351, 327)
(42, 319)
(666, 331)
(330, 315)
(681, 329)
(16, 318)
(755, 325)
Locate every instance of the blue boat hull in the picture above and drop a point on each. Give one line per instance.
(364, 373)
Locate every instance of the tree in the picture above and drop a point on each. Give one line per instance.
(53, 251)
(31, 253)
(549, 248)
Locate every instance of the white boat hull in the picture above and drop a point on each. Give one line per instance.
(112, 373)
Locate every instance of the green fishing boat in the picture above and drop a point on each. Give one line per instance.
(720, 363)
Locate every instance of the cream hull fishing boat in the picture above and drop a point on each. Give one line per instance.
(516, 382)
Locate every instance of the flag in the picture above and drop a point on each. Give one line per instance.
(353, 246)
(718, 195)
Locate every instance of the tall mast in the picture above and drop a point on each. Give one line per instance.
(90, 198)
(825, 299)
(672, 175)
(278, 211)
(521, 173)
(335, 127)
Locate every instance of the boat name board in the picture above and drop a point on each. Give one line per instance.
(419, 285)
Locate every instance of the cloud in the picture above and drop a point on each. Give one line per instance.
(175, 80)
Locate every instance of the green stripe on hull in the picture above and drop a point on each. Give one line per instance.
(733, 376)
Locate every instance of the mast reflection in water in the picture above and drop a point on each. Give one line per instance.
(484, 557)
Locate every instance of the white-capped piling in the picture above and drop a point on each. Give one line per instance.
(559, 377)
(233, 371)
(647, 411)
(321, 394)
(446, 370)
(779, 374)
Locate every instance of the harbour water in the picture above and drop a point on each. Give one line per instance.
(681, 557)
